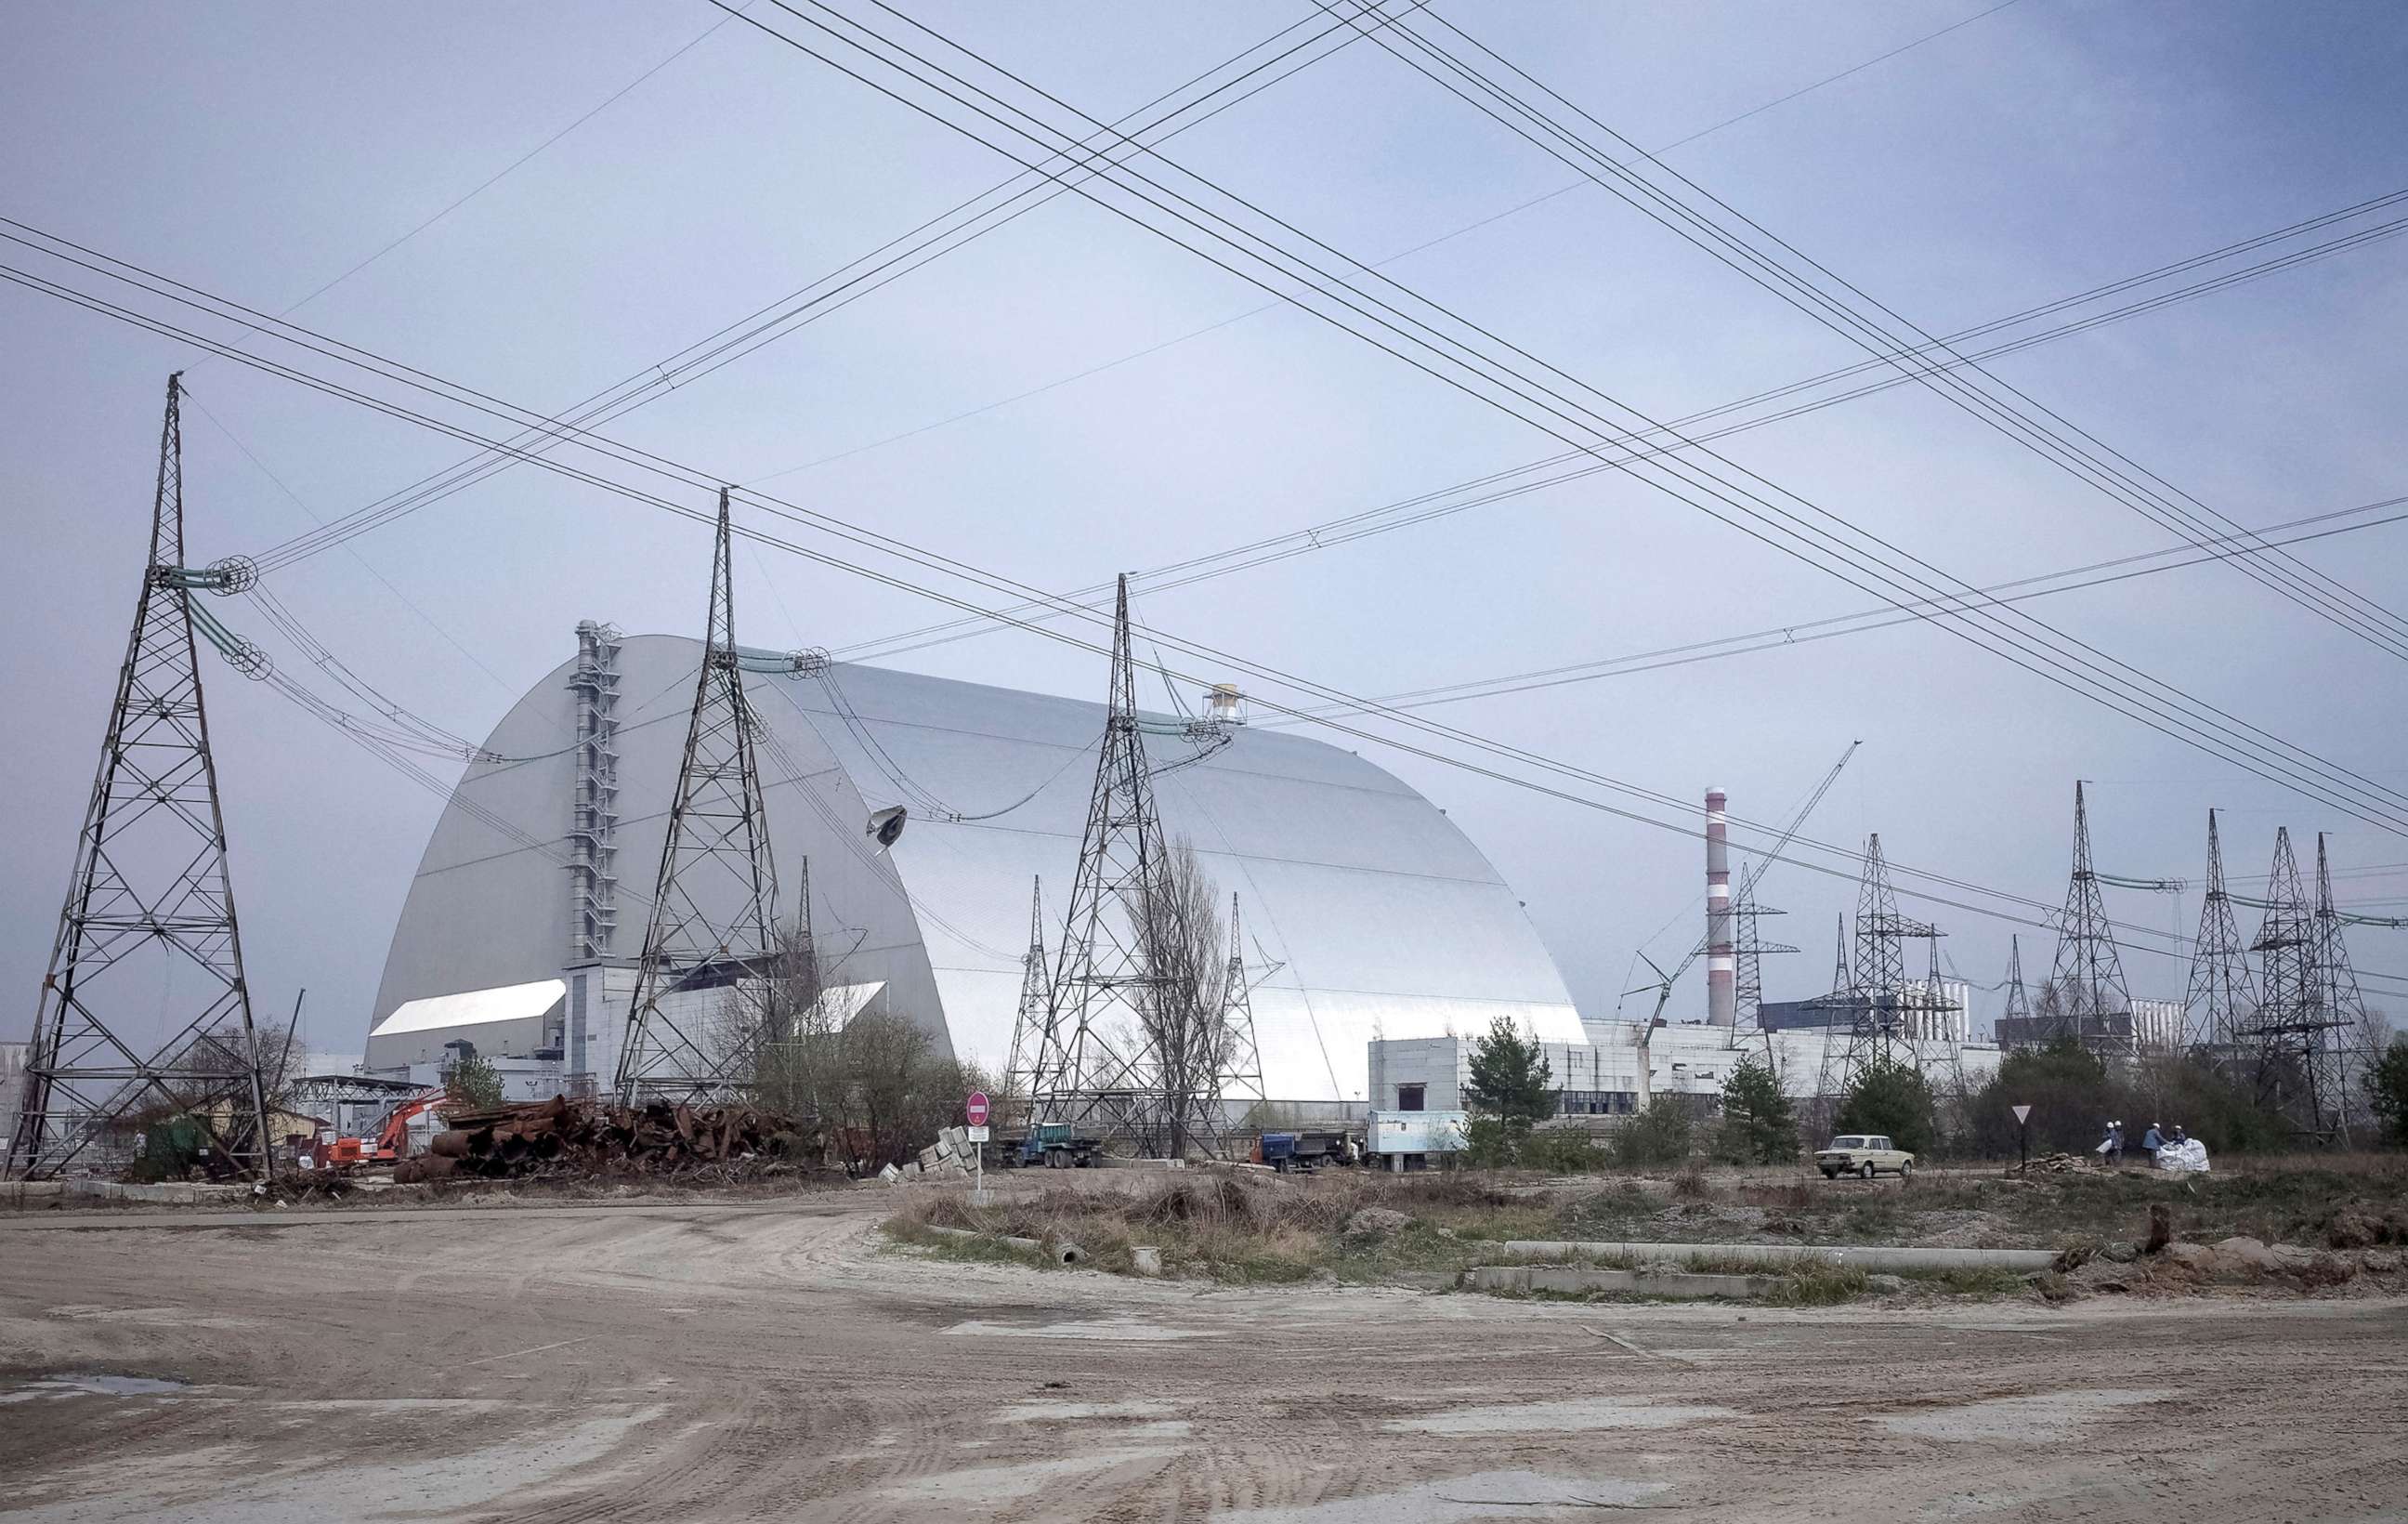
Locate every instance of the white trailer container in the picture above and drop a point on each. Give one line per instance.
(1407, 1140)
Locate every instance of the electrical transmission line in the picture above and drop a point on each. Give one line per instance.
(1474, 361)
(1549, 471)
(1865, 321)
(1223, 661)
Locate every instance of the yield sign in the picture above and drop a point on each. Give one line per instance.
(2023, 1114)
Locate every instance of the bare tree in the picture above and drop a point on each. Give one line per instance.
(1184, 1010)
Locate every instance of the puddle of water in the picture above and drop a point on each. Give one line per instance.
(2042, 1416)
(1042, 1412)
(1570, 1417)
(985, 1484)
(91, 1386)
(1130, 1332)
(1486, 1494)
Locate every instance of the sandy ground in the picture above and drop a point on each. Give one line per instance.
(703, 1362)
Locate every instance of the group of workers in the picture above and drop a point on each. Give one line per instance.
(2151, 1141)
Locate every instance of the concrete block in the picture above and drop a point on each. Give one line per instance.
(1145, 1261)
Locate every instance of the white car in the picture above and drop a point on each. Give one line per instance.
(1864, 1155)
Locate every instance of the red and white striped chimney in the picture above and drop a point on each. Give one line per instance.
(1722, 958)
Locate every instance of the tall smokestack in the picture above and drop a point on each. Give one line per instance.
(1722, 960)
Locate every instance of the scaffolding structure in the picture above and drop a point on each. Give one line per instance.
(150, 904)
(593, 799)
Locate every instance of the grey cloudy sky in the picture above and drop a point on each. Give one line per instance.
(259, 151)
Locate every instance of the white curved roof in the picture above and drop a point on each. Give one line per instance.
(473, 1008)
(1383, 915)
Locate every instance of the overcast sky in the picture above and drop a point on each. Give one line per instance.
(259, 150)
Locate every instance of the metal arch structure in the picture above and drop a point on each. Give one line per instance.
(1123, 1053)
(2091, 1002)
(701, 1012)
(151, 890)
(2220, 998)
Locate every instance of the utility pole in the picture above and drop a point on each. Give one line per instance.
(702, 1013)
(150, 899)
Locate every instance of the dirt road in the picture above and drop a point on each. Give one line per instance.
(703, 1362)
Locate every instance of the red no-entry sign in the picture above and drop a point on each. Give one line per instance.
(976, 1108)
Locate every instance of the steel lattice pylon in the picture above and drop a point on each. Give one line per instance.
(2343, 1002)
(1028, 1021)
(2289, 1040)
(151, 898)
(2018, 1013)
(1124, 1054)
(1237, 1061)
(703, 1003)
(2091, 1001)
(2220, 1001)
(1886, 1014)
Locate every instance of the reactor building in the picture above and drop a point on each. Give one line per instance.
(922, 810)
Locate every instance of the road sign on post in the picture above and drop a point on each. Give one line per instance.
(2023, 1136)
(976, 1109)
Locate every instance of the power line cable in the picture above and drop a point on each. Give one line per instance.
(1517, 481)
(1457, 361)
(2055, 438)
(1846, 873)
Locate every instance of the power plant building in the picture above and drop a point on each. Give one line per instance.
(1382, 916)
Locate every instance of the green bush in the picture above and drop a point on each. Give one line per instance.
(1890, 1096)
(1759, 1123)
(2387, 1089)
(1561, 1151)
(1657, 1136)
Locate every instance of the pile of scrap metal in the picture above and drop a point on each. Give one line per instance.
(562, 1136)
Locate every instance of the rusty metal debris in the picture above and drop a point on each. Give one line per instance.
(562, 1136)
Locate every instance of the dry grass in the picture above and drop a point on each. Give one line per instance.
(1255, 1230)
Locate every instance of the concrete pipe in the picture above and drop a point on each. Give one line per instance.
(1860, 1257)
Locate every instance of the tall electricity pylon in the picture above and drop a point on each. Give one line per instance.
(1028, 1029)
(2017, 1016)
(1237, 1060)
(2091, 1001)
(702, 1007)
(2220, 999)
(1119, 1058)
(151, 904)
(1884, 1012)
(2289, 1039)
(2343, 1002)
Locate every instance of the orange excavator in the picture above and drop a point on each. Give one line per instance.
(391, 1142)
